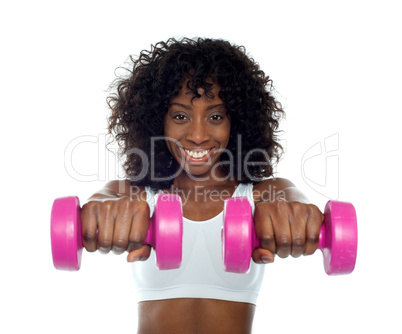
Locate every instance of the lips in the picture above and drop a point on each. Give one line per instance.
(197, 155)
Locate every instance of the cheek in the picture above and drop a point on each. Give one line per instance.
(225, 134)
(171, 139)
(165, 127)
(171, 130)
(168, 137)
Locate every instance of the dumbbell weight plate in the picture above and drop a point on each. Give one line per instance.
(165, 233)
(338, 238)
(66, 234)
(167, 225)
(237, 235)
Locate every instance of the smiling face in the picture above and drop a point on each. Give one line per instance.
(197, 130)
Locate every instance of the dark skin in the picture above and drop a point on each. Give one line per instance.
(286, 223)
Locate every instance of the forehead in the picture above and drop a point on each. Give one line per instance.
(209, 90)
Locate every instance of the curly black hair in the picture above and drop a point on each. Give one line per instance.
(141, 99)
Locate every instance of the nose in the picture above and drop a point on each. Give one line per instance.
(198, 132)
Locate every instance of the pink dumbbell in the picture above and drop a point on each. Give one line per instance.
(337, 241)
(164, 235)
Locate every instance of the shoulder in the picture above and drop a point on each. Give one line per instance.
(270, 188)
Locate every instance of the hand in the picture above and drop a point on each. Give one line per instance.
(286, 228)
(117, 224)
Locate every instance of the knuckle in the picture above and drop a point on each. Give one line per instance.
(85, 208)
(136, 241)
(132, 206)
(313, 238)
(266, 240)
(141, 206)
(107, 205)
(262, 204)
(89, 236)
(298, 208)
(297, 247)
(89, 208)
(313, 208)
(298, 243)
(105, 244)
(266, 237)
(314, 211)
(120, 244)
(281, 204)
(125, 202)
(283, 243)
(90, 205)
(265, 206)
(134, 245)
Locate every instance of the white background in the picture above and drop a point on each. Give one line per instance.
(336, 67)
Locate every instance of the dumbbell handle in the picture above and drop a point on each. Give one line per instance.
(337, 238)
(164, 234)
(149, 240)
(321, 243)
(162, 240)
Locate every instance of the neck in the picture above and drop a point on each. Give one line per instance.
(186, 182)
(193, 192)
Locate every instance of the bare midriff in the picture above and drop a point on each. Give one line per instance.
(195, 316)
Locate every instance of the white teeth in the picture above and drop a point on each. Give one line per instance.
(196, 154)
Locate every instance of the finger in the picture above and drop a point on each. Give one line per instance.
(89, 226)
(263, 228)
(282, 232)
(314, 223)
(122, 226)
(139, 226)
(140, 254)
(263, 256)
(298, 232)
(105, 227)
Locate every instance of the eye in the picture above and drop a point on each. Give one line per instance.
(180, 117)
(217, 117)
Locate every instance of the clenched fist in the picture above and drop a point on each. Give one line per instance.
(116, 222)
(285, 226)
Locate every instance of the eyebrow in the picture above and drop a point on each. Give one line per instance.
(187, 107)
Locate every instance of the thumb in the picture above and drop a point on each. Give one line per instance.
(263, 256)
(140, 254)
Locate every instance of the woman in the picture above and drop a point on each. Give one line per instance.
(197, 118)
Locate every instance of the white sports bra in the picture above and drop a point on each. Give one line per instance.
(201, 274)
